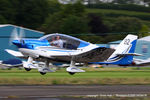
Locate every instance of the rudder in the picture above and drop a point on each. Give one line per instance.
(124, 51)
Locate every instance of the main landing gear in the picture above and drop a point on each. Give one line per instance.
(27, 69)
(73, 69)
(28, 65)
(45, 69)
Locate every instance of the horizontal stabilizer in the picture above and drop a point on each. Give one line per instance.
(14, 53)
(74, 69)
(129, 54)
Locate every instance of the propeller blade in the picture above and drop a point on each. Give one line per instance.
(22, 33)
(13, 36)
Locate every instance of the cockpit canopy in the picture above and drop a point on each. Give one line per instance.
(64, 41)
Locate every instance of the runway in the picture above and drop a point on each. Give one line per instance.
(71, 90)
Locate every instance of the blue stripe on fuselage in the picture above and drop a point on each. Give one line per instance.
(59, 50)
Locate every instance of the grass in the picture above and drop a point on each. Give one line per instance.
(92, 76)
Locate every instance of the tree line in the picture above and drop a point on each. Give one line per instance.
(50, 16)
(129, 7)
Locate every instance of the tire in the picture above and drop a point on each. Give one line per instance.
(42, 73)
(27, 69)
(71, 73)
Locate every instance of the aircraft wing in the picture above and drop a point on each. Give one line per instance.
(63, 55)
(95, 55)
(14, 53)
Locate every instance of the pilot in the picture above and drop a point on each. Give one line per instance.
(58, 42)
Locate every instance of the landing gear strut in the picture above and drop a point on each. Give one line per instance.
(28, 65)
(45, 68)
(72, 64)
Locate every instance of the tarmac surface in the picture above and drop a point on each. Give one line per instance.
(55, 92)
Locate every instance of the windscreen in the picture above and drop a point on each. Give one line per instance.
(64, 42)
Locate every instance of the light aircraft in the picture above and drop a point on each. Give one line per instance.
(141, 62)
(11, 63)
(67, 49)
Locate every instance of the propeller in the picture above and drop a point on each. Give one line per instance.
(22, 34)
(14, 35)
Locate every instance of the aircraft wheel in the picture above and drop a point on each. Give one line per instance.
(9, 68)
(27, 69)
(20, 68)
(71, 73)
(42, 73)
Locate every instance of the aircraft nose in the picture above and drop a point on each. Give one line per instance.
(15, 42)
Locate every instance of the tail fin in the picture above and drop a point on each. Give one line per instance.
(124, 52)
